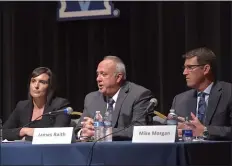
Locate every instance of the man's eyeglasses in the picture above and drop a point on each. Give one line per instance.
(192, 67)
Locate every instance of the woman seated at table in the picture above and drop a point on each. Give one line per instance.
(41, 100)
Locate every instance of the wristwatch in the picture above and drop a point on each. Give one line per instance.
(205, 133)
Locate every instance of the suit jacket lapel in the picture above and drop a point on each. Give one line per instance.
(192, 104)
(214, 98)
(48, 118)
(47, 109)
(27, 111)
(102, 104)
(121, 97)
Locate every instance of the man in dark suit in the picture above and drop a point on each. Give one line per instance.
(130, 100)
(208, 104)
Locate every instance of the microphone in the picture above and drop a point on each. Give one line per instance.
(153, 103)
(67, 111)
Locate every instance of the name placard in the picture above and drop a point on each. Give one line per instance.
(59, 135)
(154, 134)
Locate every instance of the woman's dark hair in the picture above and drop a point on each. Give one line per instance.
(51, 81)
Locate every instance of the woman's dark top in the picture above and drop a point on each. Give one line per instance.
(23, 113)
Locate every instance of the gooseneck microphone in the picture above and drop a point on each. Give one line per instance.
(67, 111)
(153, 103)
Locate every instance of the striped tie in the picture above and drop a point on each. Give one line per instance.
(110, 105)
(201, 107)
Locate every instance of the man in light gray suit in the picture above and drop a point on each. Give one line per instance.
(130, 100)
(209, 103)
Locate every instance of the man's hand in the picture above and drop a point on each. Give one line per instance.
(199, 128)
(87, 130)
(26, 131)
(180, 126)
(194, 124)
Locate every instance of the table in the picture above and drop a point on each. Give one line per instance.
(210, 153)
(117, 153)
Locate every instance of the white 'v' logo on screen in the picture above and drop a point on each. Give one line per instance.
(84, 5)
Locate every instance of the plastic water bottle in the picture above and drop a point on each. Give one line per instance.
(0, 130)
(98, 126)
(187, 133)
(172, 118)
(108, 126)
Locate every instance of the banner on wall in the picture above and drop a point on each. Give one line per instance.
(77, 10)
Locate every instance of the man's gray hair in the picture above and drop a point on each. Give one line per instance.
(120, 66)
